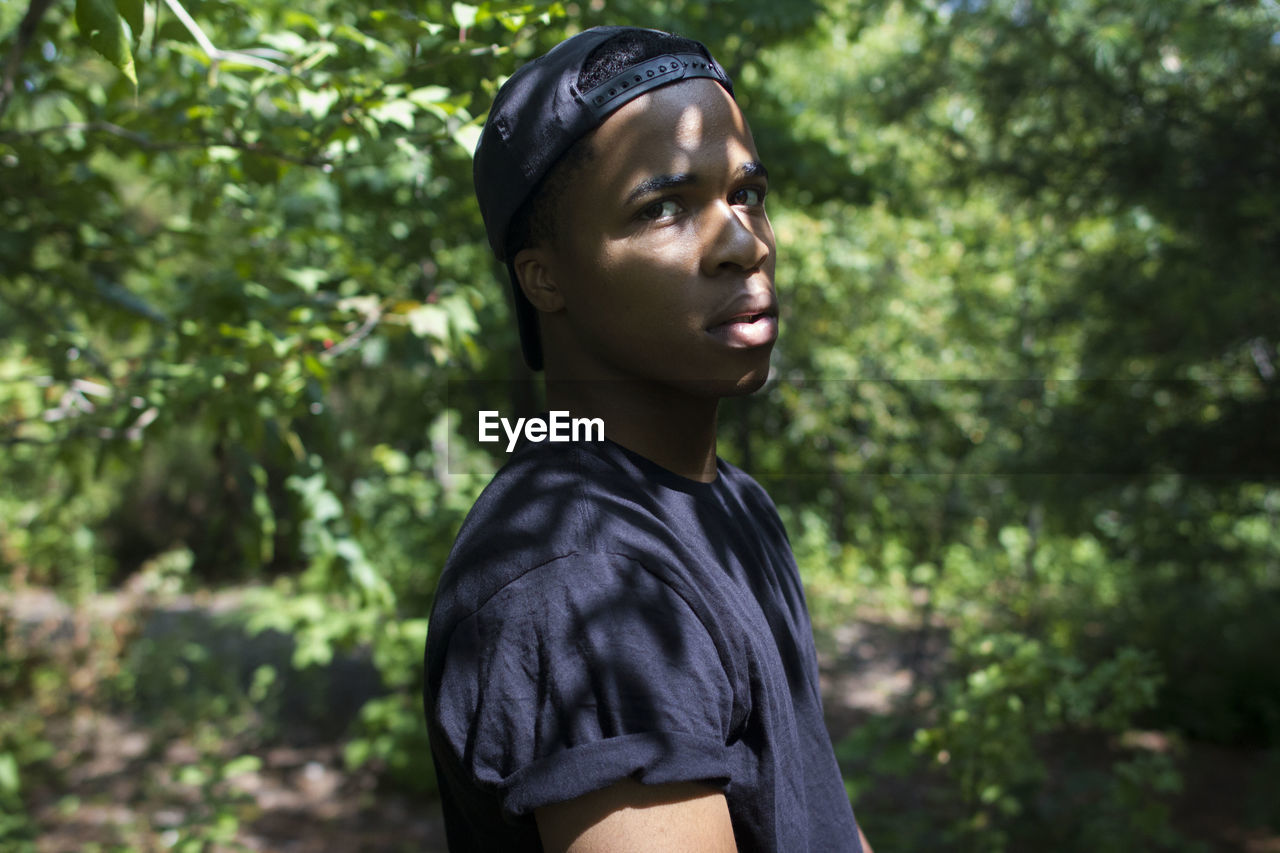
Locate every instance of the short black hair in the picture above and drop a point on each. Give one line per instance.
(535, 222)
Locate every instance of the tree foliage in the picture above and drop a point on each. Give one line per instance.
(1026, 387)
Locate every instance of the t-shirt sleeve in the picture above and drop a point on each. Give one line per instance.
(583, 672)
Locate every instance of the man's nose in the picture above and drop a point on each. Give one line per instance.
(735, 241)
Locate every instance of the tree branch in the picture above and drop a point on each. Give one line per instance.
(26, 32)
(149, 144)
(215, 54)
(355, 338)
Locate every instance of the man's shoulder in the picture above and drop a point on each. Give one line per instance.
(541, 488)
(747, 490)
(558, 510)
(739, 480)
(547, 503)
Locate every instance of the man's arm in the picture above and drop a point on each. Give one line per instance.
(633, 818)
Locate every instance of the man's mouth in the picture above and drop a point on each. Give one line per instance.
(747, 331)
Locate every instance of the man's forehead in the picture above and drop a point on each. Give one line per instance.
(693, 116)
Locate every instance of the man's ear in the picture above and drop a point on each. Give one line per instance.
(534, 272)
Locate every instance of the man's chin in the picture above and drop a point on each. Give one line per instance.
(739, 386)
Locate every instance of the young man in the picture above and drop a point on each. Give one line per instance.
(619, 658)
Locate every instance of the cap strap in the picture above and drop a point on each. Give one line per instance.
(650, 74)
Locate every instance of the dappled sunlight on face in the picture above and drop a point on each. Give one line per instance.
(664, 238)
(688, 129)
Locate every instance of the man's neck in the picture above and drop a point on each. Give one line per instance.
(671, 429)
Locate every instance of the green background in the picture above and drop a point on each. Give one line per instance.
(1022, 425)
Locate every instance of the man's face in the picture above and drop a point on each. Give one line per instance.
(664, 255)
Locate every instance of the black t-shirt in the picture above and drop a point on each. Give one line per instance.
(603, 618)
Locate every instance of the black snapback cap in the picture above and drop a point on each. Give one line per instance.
(538, 114)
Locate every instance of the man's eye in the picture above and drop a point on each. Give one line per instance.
(748, 196)
(661, 209)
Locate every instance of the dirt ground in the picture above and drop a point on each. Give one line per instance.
(118, 789)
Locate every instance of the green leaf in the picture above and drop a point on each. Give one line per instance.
(427, 95)
(465, 15)
(99, 21)
(121, 297)
(260, 169)
(357, 753)
(8, 773)
(429, 321)
(317, 104)
(399, 112)
(307, 278)
(312, 649)
(132, 12)
(241, 765)
(192, 775)
(468, 136)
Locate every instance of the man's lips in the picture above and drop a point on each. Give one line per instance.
(746, 308)
(746, 329)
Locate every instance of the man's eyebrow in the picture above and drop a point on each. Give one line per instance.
(659, 183)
